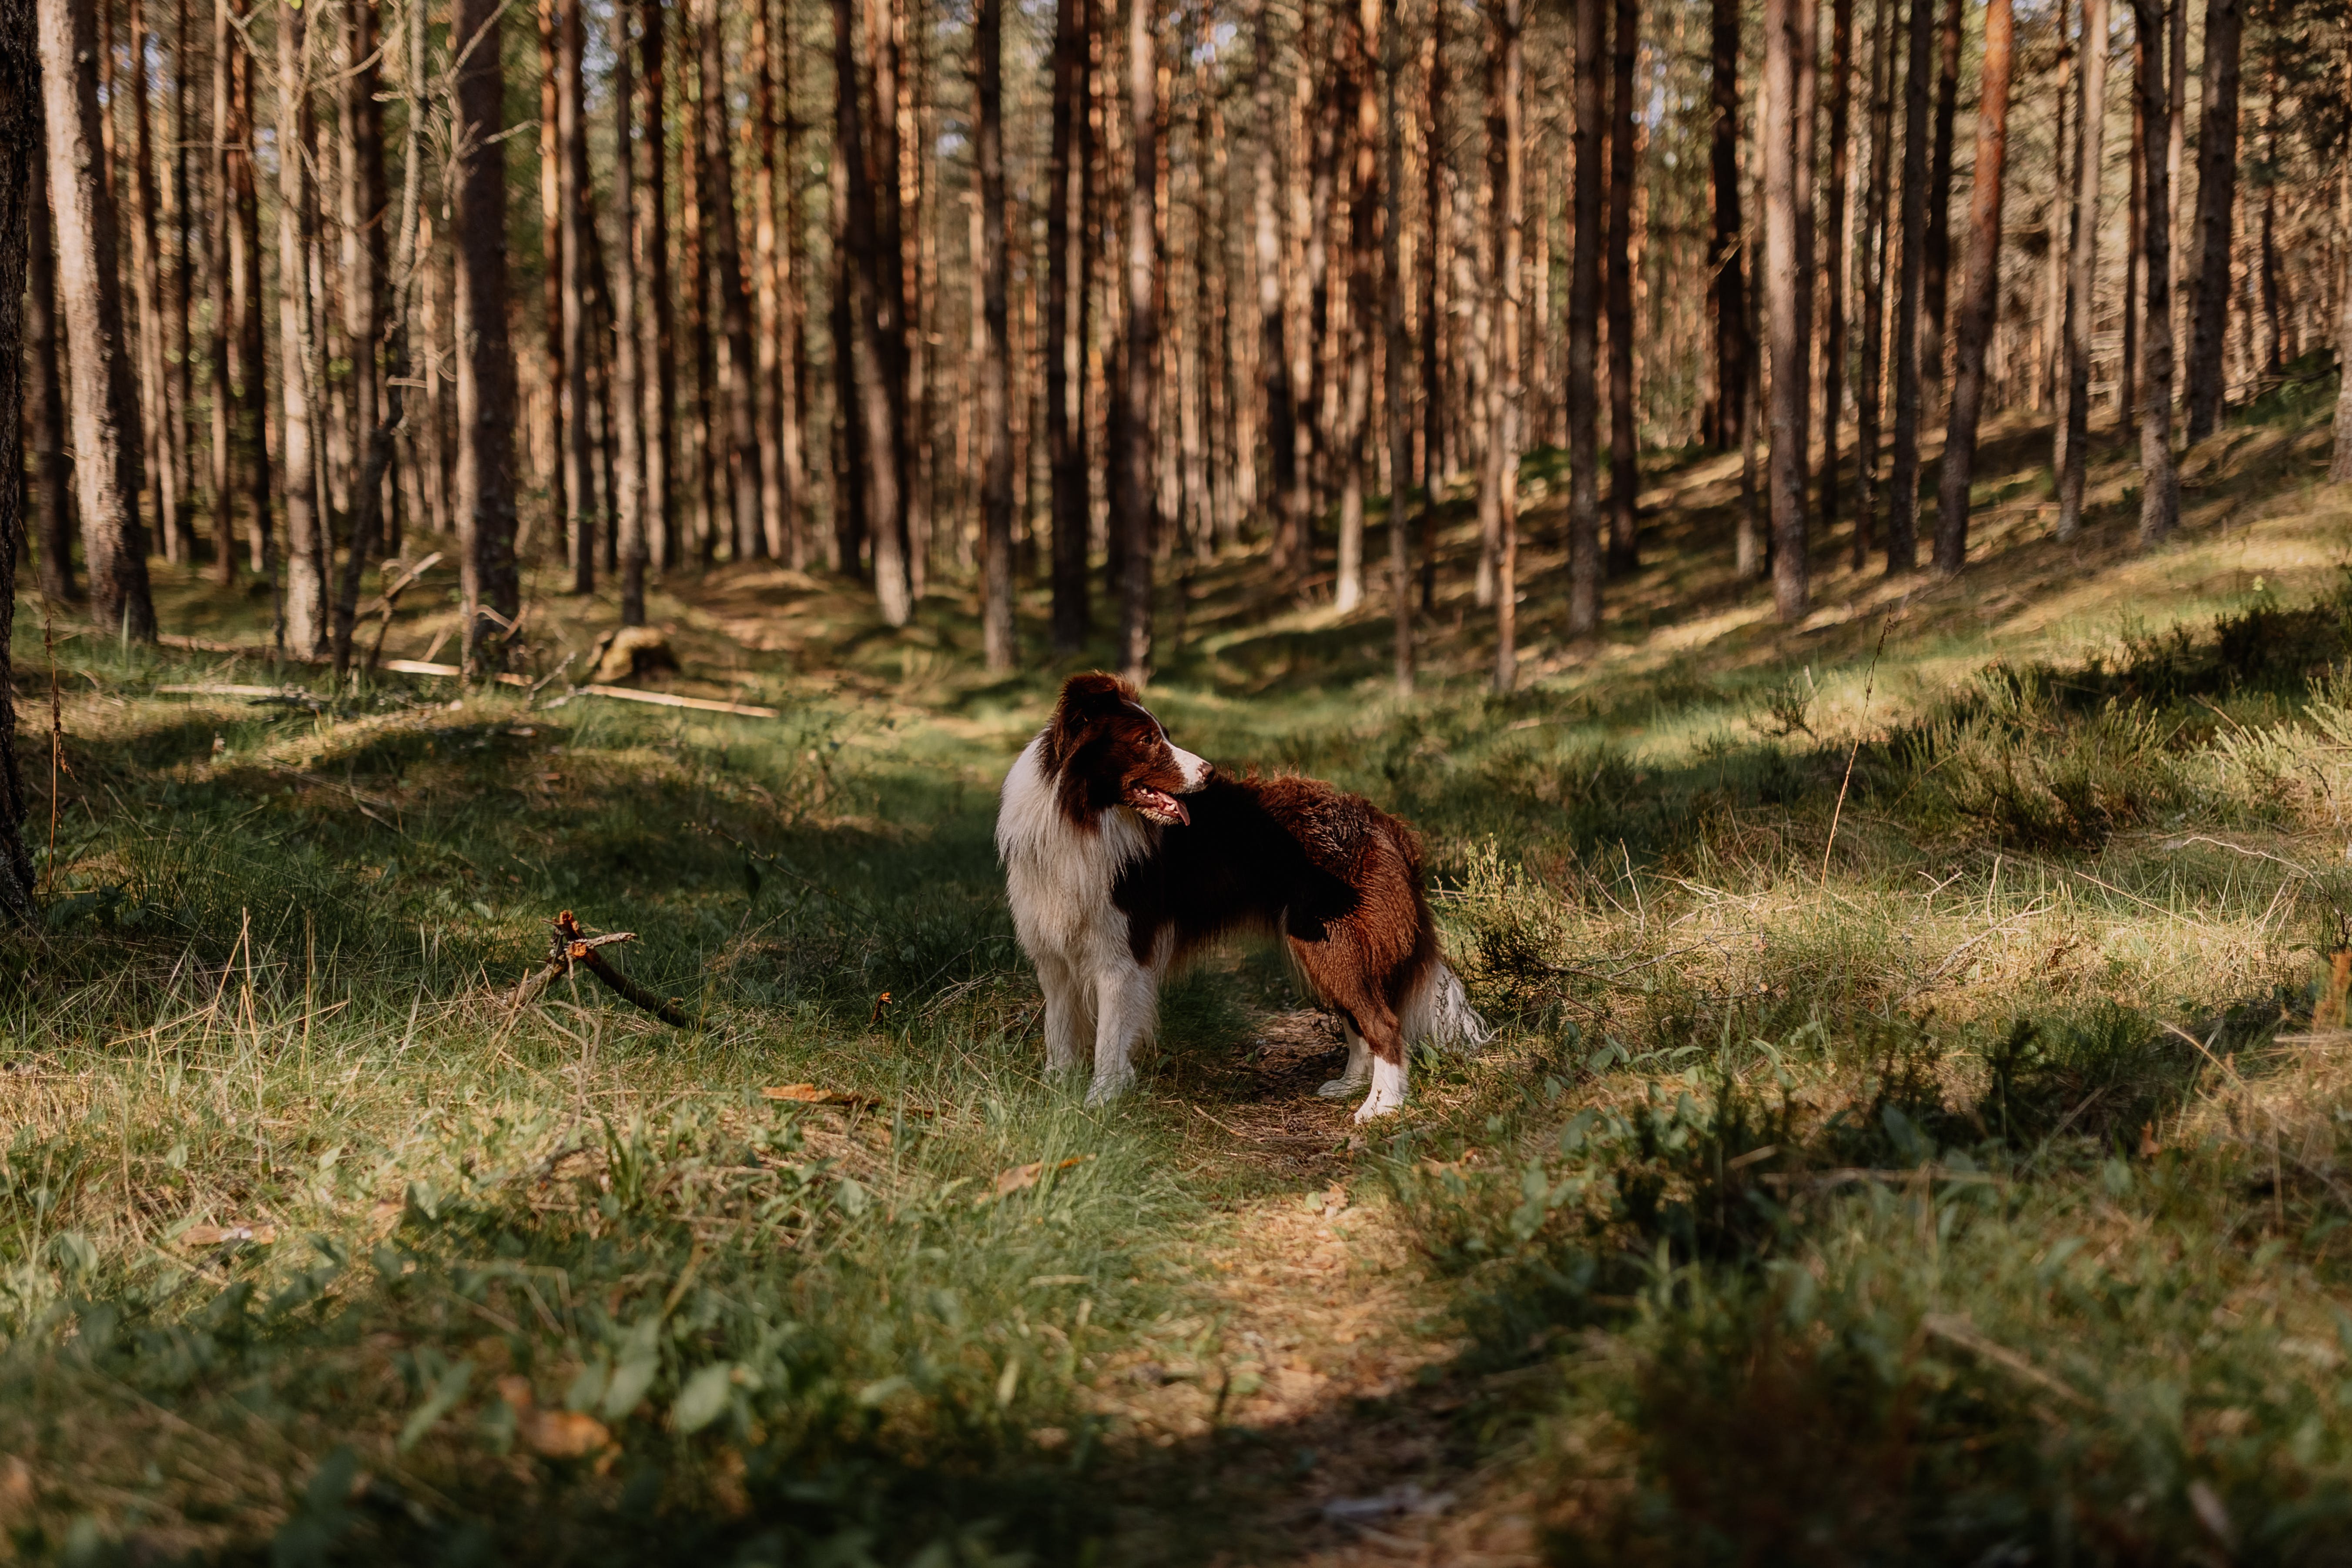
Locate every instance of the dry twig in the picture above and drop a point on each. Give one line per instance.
(572, 946)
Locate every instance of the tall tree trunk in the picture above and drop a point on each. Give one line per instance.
(52, 468)
(1435, 335)
(1135, 511)
(251, 361)
(53, 471)
(1273, 346)
(1399, 402)
(1625, 449)
(791, 282)
(663, 541)
(1980, 296)
(20, 190)
(584, 527)
(996, 403)
(725, 251)
(1903, 483)
(2159, 506)
(182, 305)
(551, 232)
(486, 366)
(895, 439)
(1833, 346)
(2082, 266)
(1873, 257)
(1584, 552)
(1733, 344)
(364, 215)
(1789, 48)
(1067, 248)
(629, 489)
(308, 550)
(865, 276)
(1361, 21)
(105, 409)
(693, 257)
(2134, 252)
(913, 151)
(776, 502)
(158, 418)
(1507, 173)
(2340, 467)
(2217, 198)
(1940, 185)
(218, 240)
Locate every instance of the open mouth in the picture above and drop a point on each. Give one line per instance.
(1159, 806)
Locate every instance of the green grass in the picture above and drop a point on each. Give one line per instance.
(1916, 1134)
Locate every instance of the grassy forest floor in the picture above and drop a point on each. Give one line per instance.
(1918, 1129)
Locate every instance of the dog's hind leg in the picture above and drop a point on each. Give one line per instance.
(1358, 1072)
(1069, 1014)
(1127, 996)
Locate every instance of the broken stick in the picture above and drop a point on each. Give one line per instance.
(572, 946)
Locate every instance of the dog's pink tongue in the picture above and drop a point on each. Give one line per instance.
(1176, 809)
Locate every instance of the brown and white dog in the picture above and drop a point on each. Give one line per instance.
(1124, 855)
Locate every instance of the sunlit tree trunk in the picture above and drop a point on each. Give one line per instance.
(551, 232)
(2082, 266)
(629, 489)
(863, 277)
(776, 502)
(1133, 463)
(1789, 44)
(1938, 241)
(2339, 467)
(105, 408)
(1273, 348)
(52, 469)
(1360, 23)
(1980, 293)
(1437, 465)
(1506, 177)
(308, 551)
(364, 218)
(1903, 484)
(577, 454)
(2217, 196)
(1624, 444)
(1584, 552)
(664, 544)
(725, 252)
(1392, 290)
(1834, 343)
(485, 368)
(159, 420)
(2159, 506)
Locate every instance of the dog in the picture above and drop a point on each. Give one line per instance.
(1124, 855)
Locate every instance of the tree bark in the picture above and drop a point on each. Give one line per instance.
(1834, 345)
(1001, 651)
(1789, 48)
(364, 218)
(1733, 344)
(2217, 198)
(158, 418)
(2082, 267)
(2159, 506)
(492, 587)
(864, 276)
(1135, 513)
(182, 303)
(1584, 550)
(105, 409)
(551, 232)
(1507, 171)
(1940, 185)
(629, 489)
(2135, 255)
(1624, 449)
(21, 108)
(1435, 336)
(308, 550)
(2340, 467)
(1399, 402)
(725, 251)
(1065, 319)
(583, 526)
(1363, 210)
(1910, 286)
(776, 500)
(1981, 295)
(1289, 523)
(52, 468)
(1873, 257)
(664, 544)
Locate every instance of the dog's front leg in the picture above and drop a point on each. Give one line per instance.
(1069, 1014)
(1125, 995)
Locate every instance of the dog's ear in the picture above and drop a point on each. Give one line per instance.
(1085, 700)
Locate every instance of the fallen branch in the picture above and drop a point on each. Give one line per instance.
(290, 694)
(392, 591)
(572, 946)
(665, 700)
(447, 671)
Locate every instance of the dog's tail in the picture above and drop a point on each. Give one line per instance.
(1438, 1012)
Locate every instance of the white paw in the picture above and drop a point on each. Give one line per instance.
(1342, 1088)
(1378, 1105)
(1108, 1087)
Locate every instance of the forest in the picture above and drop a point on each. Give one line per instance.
(542, 525)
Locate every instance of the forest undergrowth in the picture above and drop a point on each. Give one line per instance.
(1918, 1131)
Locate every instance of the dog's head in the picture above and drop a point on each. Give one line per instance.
(1104, 749)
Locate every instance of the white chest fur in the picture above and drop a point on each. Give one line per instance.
(1057, 875)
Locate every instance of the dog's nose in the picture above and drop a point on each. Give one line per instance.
(1193, 770)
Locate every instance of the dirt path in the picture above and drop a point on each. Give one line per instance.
(1309, 1411)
